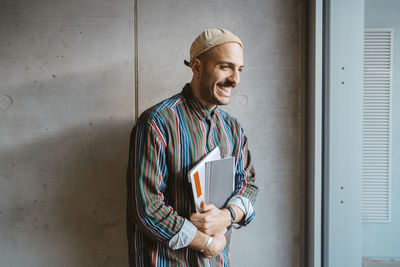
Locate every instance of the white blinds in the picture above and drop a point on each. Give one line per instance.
(376, 191)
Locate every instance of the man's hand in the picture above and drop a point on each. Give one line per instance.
(217, 245)
(212, 221)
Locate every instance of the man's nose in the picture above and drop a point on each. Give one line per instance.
(235, 77)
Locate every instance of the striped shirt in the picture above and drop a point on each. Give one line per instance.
(167, 141)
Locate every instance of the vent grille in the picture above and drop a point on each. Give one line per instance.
(376, 191)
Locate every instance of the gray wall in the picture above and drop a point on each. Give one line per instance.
(68, 67)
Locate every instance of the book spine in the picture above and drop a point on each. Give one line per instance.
(207, 178)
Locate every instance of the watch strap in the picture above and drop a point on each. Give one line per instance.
(233, 213)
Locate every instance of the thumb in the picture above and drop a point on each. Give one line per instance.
(203, 206)
(206, 207)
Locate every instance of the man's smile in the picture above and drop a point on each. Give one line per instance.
(225, 88)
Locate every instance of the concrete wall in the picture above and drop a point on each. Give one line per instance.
(268, 102)
(68, 68)
(66, 81)
(382, 239)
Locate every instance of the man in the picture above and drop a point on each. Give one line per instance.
(167, 141)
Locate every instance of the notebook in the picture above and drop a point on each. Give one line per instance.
(213, 179)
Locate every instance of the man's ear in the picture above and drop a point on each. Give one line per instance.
(196, 67)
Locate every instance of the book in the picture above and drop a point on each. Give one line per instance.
(197, 177)
(220, 181)
(212, 180)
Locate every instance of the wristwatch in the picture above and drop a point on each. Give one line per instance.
(208, 243)
(233, 214)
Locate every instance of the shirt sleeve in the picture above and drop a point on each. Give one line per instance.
(245, 188)
(245, 205)
(146, 179)
(184, 236)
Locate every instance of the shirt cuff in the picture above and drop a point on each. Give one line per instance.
(184, 236)
(245, 205)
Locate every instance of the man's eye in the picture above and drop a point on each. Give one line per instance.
(224, 66)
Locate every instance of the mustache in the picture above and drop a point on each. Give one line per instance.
(227, 83)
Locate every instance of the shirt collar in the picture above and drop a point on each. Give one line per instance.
(199, 108)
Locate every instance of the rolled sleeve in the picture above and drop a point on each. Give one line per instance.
(184, 236)
(245, 205)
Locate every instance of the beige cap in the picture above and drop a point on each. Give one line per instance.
(211, 38)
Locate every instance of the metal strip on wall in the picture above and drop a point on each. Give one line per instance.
(376, 193)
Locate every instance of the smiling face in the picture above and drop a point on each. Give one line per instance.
(219, 74)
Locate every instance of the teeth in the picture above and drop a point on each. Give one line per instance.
(226, 91)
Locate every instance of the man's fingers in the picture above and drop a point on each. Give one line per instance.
(195, 217)
(222, 232)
